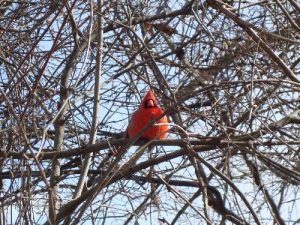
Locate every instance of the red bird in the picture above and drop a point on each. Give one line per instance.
(148, 112)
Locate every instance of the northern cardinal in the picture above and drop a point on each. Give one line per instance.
(147, 113)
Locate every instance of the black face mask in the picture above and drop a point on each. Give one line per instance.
(150, 103)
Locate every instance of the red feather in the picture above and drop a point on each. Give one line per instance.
(147, 112)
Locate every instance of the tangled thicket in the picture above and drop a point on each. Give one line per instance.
(227, 74)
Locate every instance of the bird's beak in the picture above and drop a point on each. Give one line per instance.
(150, 103)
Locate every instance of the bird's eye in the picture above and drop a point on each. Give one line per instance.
(150, 103)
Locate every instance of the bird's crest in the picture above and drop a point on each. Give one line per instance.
(149, 96)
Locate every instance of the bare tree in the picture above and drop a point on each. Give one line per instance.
(225, 72)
